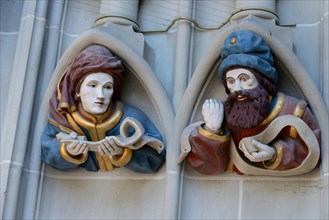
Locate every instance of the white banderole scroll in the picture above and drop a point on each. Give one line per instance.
(133, 141)
(268, 135)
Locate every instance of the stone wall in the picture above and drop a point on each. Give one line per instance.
(181, 53)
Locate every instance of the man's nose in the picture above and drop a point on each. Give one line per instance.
(237, 87)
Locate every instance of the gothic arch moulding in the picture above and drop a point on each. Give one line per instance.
(155, 103)
(236, 189)
(296, 82)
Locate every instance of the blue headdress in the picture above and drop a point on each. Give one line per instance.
(245, 48)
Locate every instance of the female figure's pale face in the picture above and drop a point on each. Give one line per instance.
(96, 92)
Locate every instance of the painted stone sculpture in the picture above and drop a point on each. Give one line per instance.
(89, 127)
(273, 133)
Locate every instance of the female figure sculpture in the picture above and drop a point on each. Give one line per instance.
(89, 127)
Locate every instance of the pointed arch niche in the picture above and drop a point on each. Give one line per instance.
(237, 195)
(83, 194)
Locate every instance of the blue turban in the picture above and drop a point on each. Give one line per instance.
(245, 48)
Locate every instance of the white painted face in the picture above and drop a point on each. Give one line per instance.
(240, 79)
(96, 92)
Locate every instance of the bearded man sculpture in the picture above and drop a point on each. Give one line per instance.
(264, 125)
(89, 127)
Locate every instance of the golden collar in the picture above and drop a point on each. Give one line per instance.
(97, 127)
(280, 101)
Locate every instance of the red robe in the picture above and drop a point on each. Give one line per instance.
(210, 152)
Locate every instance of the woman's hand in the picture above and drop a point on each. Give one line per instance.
(76, 148)
(108, 147)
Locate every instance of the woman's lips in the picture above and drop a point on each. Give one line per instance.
(99, 103)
